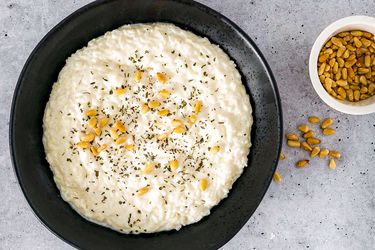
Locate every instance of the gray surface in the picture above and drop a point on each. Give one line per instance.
(312, 208)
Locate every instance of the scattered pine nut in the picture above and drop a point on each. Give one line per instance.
(277, 177)
(129, 147)
(192, 119)
(203, 183)
(293, 144)
(303, 128)
(305, 146)
(83, 144)
(138, 75)
(326, 123)
(102, 147)
(103, 122)
(163, 136)
(323, 153)
(179, 129)
(94, 151)
(328, 131)
(163, 112)
(143, 190)
(91, 112)
(98, 131)
(292, 137)
(120, 126)
(314, 119)
(335, 154)
(315, 152)
(113, 133)
(282, 156)
(153, 104)
(214, 149)
(174, 165)
(149, 168)
(88, 137)
(198, 107)
(120, 140)
(164, 93)
(176, 123)
(313, 141)
(332, 164)
(302, 163)
(161, 77)
(308, 134)
(144, 108)
(120, 91)
(92, 122)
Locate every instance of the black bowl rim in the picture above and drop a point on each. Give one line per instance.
(98, 3)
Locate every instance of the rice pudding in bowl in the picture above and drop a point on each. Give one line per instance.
(147, 128)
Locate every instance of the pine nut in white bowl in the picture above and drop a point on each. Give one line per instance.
(351, 23)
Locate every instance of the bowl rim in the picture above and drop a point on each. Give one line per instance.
(330, 30)
(95, 4)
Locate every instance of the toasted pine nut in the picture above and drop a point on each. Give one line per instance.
(302, 163)
(335, 154)
(163, 136)
(163, 112)
(120, 91)
(153, 104)
(332, 164)
(164, 93)
(138, 75)
(203, 183)
(303, 128)
(88, 137)
(314, 119)
(305, 146)
(143, 190)
(277, 177)
(103, 122)
(315, 152)
(120, 126)
(173, 165)
(292, 137)
(113, 133)
(129, 147)
(198, 107)
(83, 144)
(282, 156)
(179, 129)
(176, 123)
(308, 134)
(94, 151)
(91, 112)
(161, 77)
(92, 122)
(98, 131)
(326, 123)
(149, 168)
(192, 119)
(102, 147)
(328, 131)
(144, 108)
(293, 144)
(120, 140)
(313, 141)
(214, 149)
(323, 153)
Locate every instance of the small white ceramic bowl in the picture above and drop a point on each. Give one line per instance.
(345, 24)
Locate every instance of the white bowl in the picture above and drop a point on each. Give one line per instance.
(345, 24)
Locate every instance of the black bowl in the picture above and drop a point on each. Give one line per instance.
(40, 72)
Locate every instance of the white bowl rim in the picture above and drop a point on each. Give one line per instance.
(343, 106)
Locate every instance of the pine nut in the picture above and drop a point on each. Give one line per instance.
(302, 163)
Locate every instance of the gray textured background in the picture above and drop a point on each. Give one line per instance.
(313, 208)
